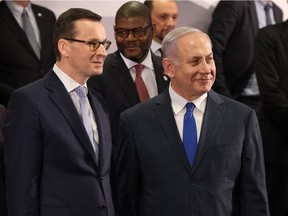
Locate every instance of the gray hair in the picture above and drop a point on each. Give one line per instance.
(170, 41)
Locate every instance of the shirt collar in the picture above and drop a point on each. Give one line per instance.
(69, 83)
(263, 2)
(147, 62)
(178, 102)
(17, 9)
(155, 46)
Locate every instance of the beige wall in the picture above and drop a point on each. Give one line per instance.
(196, 13)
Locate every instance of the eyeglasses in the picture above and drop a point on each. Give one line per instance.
(93, 44)
(137, 32)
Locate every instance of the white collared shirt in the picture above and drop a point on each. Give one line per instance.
(70, 85)
(179, 109)
(155, 48)
(148, 74)
(261, 15)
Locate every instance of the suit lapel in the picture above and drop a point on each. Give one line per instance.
(213, 114)
(165, 116)
(284, 34)
(62, 100)
(41, 26)
(8, 17)
(102, 124)
(253, 16)
(122, 74)
(278, 15)
(161, 79)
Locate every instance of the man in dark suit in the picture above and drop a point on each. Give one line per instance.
(133, 34)
(19, 64)
(156, 173)
(117, 83)
(232, 31)
(57, 145)
(271, 54)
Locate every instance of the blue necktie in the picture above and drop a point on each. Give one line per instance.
(190, 133)
(82, 93)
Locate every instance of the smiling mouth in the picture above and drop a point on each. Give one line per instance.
(98, 63)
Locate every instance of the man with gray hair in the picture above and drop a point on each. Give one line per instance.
(181, 153)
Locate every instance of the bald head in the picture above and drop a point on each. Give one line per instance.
(133, 9)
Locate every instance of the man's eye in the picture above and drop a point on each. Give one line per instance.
(121, 32)
(139, 31)
(93, 43)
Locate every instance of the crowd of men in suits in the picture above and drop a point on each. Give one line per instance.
(130, 159)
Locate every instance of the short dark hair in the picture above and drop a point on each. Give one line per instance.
(149, 4)
(133, 9)
(65, 25)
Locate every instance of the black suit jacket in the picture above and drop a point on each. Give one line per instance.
(232, 31)
(19, 64)
(49, 159)
(272, 74)
(118, 87)
(153, 173)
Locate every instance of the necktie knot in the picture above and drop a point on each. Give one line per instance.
(190, 107)
(267, 7)
(139, 68)
(81, 91)
(24, 13)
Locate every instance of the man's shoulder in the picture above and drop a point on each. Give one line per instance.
(228, 102)
(273, 32)
(42, 9)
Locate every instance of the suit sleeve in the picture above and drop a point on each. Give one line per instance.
(253, 195)
(268, 71)
(127, 171)
(6, 91)
(224, 20)
(23, 156)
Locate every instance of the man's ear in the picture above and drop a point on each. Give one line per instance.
(168, 67)
(64, 47)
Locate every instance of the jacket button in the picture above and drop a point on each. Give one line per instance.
(192, 183)
(103, 208)
(101, 178)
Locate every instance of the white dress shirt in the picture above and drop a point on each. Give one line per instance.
(148, 74)
(179, 109)
(70, 85)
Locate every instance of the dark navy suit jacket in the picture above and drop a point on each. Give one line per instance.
(49, 159)
(153, 173)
